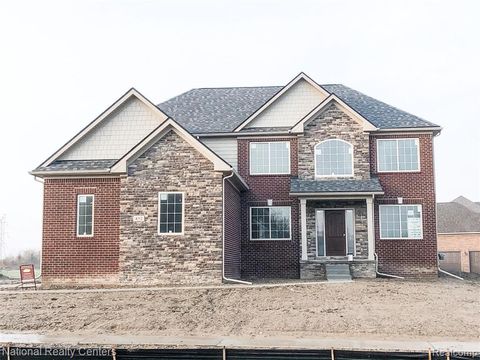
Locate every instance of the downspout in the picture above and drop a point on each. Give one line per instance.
(383, 274)
(223, 236)
(450, 274)
(41, 247)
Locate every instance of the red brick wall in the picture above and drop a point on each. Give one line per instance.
(233, 232)
(67, 258)
(408, 257)
(269, 258)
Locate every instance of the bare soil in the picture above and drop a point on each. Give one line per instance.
(381, 308)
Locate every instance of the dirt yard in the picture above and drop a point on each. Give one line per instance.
(381, 308)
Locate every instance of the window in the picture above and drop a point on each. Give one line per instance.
(171, 209)
(401, 222)
(85, 215)
(396, 155)
(270, 223)
(334, 158)
(270, 158)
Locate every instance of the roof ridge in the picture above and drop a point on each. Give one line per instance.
(237, 87)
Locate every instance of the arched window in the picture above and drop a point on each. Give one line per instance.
(334, 158)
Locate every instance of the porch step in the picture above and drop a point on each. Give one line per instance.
(336, 272)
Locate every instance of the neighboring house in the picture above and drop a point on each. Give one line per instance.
(241, 182)
(458, 225)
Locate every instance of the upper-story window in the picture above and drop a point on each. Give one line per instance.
(398, 155)
(333, 158)
(269, 158)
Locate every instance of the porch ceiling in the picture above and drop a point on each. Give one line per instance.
(370, 186)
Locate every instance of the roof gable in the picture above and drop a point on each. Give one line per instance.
(289, 104)
(169, 125)
(367, 126)
(130, 118)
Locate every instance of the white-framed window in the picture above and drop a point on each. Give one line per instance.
(401, 222)
(333, 158)
(85, 205)
(171, 210)
(398, 155)
(270, 158)
(270, 223)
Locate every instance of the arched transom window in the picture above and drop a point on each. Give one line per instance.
(333, 158)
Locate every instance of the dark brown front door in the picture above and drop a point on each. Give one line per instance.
(335, 232)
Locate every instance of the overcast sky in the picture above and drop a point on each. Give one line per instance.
(62, 63)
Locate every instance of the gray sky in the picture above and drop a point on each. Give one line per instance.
(62, 63)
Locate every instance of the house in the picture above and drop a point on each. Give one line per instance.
(459, 235)
(237, 183)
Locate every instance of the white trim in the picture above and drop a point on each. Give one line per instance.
(420, 209)
(332, 176)
(346, 237)
(121, 165)
(370, 228)
(417, 142)
(269, 160)
(303, 225)
(270, 221)
(427, 130)
(459, 233)
(103, 116)
(78, 216)
(336, 195)
(301, 76)
(367, 125)
(183, 214)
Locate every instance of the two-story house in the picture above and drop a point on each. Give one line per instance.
(222, 184)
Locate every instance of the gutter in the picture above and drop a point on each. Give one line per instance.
(69, 172)
(223, 235)
(336, 193)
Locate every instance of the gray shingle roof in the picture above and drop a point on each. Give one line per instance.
(377, 112)
(77, 165)
(460, 215)
(372, 185)
(209, 110)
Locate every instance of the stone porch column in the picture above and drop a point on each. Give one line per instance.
(370, 228)
(303, 226)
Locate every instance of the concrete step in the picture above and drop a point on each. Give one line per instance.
(337, 272)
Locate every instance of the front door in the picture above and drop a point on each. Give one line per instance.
(335, 233)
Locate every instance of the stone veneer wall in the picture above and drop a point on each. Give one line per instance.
(192, 258)
(333, 123)
(361, 234)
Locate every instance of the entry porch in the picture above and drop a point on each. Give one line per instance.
(336, 226)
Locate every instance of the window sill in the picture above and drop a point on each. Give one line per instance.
(263, 240)
(400, 172)
(282, 174)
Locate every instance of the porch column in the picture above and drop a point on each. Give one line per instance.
(370, 228)
(303, 225)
